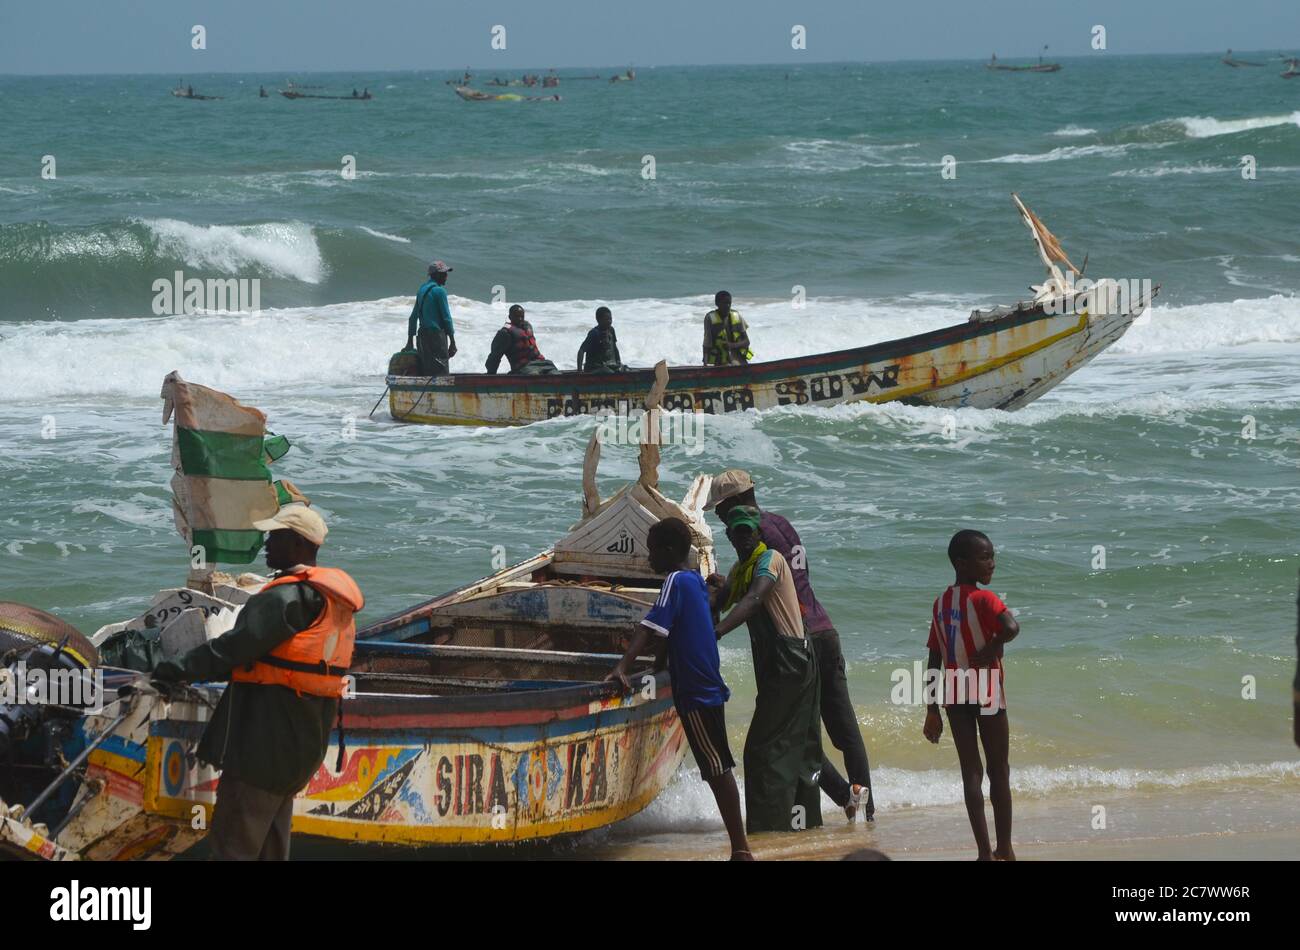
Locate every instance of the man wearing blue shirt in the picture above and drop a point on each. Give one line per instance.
(682, 615)
(430, 331)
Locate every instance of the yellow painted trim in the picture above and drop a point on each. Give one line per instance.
(111, 761)
(441, 420)
(377, 833)
(180, 809)
(153, 766)
(892, 394)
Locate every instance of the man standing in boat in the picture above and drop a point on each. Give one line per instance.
(515, 341)
(286, 658)
(726, 335)
(430, 330)
(732, 489)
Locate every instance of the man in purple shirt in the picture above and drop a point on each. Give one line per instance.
(735, 487)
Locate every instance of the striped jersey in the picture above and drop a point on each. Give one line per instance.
(962, 621)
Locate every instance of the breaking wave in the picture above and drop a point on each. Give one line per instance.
(350, 343)
(1204, 127)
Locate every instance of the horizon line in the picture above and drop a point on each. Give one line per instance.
(633, 65)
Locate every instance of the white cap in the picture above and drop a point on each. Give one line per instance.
(733, 481)
(299, 518)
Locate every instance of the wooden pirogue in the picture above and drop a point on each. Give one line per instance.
(477, 716)
(1003, 358)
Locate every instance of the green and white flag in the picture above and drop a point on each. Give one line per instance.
(220, 451)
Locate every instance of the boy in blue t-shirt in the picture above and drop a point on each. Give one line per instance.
(682, 615)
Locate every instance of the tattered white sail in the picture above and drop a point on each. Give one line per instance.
(1052, 255)
(610, 538)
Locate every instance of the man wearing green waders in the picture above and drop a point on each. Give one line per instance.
(783, 749)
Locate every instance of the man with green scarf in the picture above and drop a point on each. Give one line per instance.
(783, 749)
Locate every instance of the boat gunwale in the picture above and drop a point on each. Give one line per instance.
(547, 704)
(473, 591)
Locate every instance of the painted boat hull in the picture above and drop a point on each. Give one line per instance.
(547, 751)
(1001, 363)
(417, 772)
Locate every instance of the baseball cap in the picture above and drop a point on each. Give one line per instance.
(298, 518)
(438, 267)
(733, 481)
(744, 516)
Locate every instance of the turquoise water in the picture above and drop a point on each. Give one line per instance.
(825, 177)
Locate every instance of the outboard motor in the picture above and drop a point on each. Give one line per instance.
(36, 730)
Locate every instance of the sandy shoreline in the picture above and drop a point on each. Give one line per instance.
(1238, 822)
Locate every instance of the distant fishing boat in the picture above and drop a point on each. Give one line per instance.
(291, 91)
(187, 92)
(1039, 67)
(1003, 358)
(1292, 69)
(479, 716)
(624, 77)
(475, 95)
(1234, 63)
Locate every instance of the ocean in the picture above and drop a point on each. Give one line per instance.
(1143, 512)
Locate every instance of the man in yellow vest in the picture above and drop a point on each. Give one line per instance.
(726, 335)
(285, 658)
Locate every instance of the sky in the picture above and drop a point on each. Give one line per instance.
(148, 36)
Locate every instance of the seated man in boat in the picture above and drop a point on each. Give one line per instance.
(783, 748)
(515, 341)
(286, 658)
(599, 351)
(734, 488)
(681, 614)
(430, 330)
(726, 335)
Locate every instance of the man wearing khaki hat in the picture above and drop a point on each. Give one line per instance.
(285, 658)
(732, 488)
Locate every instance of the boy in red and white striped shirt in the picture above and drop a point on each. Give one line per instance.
(968, 627)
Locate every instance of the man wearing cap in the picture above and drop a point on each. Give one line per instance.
(734, 488)
(430, 330)
(285, 658)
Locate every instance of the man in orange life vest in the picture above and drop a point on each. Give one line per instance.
(285, 658)
(515, 341)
